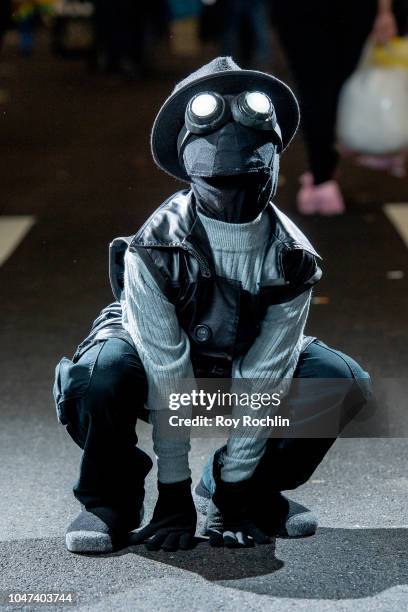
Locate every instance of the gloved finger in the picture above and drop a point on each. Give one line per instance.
(243, 539)
(216, 539)
(237, 539)
(230, 539)
(187, 541)
(143, 534)
(171, 541)
(156, 541)
(258, 536)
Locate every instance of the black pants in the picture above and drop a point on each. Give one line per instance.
(101, 394)
(323, 41)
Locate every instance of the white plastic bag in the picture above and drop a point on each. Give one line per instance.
(373, 108)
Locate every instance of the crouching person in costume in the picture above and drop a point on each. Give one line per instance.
(216, 283)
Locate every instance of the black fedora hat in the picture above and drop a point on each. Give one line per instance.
(223, 76)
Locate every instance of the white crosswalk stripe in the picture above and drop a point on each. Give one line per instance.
(13, 230)
(398, 215)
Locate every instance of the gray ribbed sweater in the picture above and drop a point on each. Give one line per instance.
(151, 320)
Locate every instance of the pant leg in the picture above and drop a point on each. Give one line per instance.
(290, 462)
(100, 397)
(259, 21)
(233, 15)
(26, 30)
(310, 51)
(323, 41)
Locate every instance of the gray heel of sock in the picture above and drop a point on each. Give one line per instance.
(299, 523)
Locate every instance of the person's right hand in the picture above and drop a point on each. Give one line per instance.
(385, 28)
(174, 519)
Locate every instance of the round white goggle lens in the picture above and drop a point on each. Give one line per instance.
(204, 105)
(258, 102)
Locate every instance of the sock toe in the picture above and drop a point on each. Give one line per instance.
(97, 530)
(88, 542)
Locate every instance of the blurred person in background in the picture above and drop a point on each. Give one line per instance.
(5, 17)
(211, 21)
(28, 14)
(323, 42)
(250, 17)
(123, 34)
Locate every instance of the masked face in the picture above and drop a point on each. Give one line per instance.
(239, 198)
(233, 149)
(231, 155)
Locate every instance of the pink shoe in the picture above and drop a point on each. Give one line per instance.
(328, 199)
(305, 201)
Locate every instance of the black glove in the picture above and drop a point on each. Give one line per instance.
(174, 519)
(229, 520)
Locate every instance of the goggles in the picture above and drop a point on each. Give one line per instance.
(207, 112)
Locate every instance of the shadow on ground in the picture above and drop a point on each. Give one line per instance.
(335, 564)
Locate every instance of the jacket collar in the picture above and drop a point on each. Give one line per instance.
(176, 224)
(290, 231)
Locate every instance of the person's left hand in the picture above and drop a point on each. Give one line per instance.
(229, 521)
(385, 28)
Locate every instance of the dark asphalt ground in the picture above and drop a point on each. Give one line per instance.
(74, 153)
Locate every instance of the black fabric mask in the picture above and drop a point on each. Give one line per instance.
(233, 199)
(233, 172)
(234, 149)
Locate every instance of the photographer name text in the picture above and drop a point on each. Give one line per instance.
(223, 421)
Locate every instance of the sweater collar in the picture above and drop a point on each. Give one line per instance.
(237, 236)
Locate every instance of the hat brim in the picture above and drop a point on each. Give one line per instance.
(170, 118)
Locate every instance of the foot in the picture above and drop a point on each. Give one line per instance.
(283, 517)
(296, 521)
(305, 201)
(324, 199)
(300, 522)
(97, 531)
(329, 199)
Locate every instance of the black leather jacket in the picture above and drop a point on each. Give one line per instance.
(221, 319)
